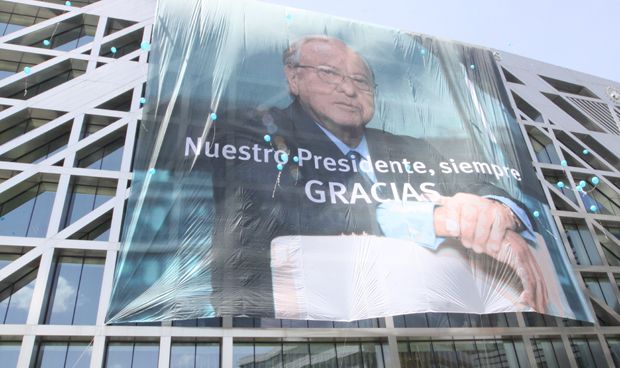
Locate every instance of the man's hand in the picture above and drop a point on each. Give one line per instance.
(518, 254)
(488, 227)
(479, 223)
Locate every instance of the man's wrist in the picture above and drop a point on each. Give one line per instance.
(517, 225)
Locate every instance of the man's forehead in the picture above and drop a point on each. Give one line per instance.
(331, 50)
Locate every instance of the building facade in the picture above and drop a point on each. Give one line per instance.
(72, 78)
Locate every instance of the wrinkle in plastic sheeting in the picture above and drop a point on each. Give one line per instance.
(296, 165)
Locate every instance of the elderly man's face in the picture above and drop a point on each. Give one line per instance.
(334, 85)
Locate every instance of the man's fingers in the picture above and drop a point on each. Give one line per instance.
(541, 296)
(497, 232)
(539, 283)
(467, 221)
(529, 272)
(484, 225)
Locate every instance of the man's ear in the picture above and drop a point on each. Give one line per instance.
(291, 77)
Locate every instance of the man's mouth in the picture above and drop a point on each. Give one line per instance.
(347, 106)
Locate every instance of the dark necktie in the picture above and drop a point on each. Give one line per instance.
(362, 216)
(355, 156)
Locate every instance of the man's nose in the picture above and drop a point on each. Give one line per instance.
(347, 87)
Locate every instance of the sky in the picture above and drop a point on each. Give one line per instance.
(579, 35)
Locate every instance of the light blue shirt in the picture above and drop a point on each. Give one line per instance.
(414, 220)
(362, 149)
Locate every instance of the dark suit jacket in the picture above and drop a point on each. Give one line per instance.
(255, 202)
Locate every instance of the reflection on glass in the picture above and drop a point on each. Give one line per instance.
(84, 199)
(195, 355)
(131, 355)
(70, 34)
(603, 290)
(26, 125)
(550, 353)
(27, 214)
(582, 243)
(539, 320)
(614, 348)
(64, 355)
(324, 355)
(200, 322)
(15, 300)
(9, 353)
(588, 352)
(463, 353)
(75, 291)
(108, 157)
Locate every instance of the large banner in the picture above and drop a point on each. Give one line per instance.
(295, 165)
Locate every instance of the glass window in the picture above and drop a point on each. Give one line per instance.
(94, 123)
(603, 290)
(21, 128)
(463, 353)
(614, 348)
(73, 38)
(74, 296)
(246, 322)
(75, 3)
(444, 352)
(195, 355)
(15, 300)
(8, 68)
(455, 320)
(63, 355)
(438, 320)
(539, 320)
(46, 80)
(296, 355)
(121, 102)
(14, 22)
(108, 157)
(543, 147)
(6, 258)
(9, 353)
(550, 353)
(131, 355)
(493, 354)
(582, 244)
(610, 248)
(605, 199)
(323, 355)
(27, 214)
(22, 16)
(84, 199)
(115, 25)
(48, 149)
(124, 45)
(588, 352)
(268, 355)
(200, 322)
(613, 229)
(243, 355)
(527, 109)
(416, 354)
(97, 230)
(415, 320)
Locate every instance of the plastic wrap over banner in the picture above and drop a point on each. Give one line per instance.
(296, 165)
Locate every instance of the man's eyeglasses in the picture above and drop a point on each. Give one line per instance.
(333, 76)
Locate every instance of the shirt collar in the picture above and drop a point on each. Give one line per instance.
(362, 147)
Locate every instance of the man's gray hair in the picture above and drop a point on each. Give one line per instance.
(292, 55)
